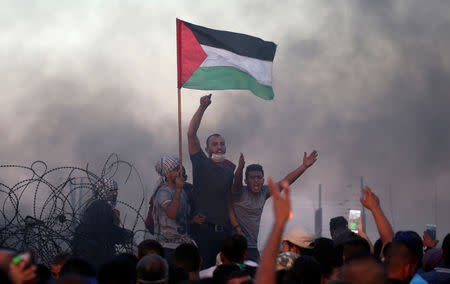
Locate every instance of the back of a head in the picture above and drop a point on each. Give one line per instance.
(148, 247)
(187, 256)
(119, 270)
(234, 248)
(61, 258)
(337, 223)
(363, 268)
(398, 256)
(446, 250)
(77, 266)
(304, 270)
(177, 274)
(413, 241)
(152, 268)
(71, 279)
(223, 272)
(327, 256)
(355, 245)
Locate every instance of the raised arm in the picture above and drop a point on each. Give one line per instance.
(372, 202)
(193, 141)
(282, 210)
(172, 209)
(237, 184)
(308, 161)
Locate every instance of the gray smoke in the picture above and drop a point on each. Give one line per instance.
(364, 82)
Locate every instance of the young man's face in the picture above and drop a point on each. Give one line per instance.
(216, 145)
(254, 181)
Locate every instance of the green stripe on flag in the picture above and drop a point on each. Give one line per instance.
(225, 77)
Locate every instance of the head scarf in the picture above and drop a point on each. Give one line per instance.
(164, 165)
(105, 189)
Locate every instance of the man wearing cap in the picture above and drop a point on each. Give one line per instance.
(298, 241)
(171, 207)
(212, 179)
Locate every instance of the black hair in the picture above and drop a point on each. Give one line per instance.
(147, 246)
(377, 248)
(187, 256)
(211, 136)
(253, 167)
(304, 270)
(234, 247)
(326, 254)
(177, 274)
(79, 266)
(223, 272)
(118, 270)
(354, 245)
(60, 258)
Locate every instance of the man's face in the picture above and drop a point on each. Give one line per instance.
(254, 181)
(172, 175)
(55, 269)
(216, 145)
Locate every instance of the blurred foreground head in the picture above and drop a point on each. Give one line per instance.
(152, 269)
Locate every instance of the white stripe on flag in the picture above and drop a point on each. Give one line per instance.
(261, 70)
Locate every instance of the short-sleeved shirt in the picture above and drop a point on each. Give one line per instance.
(212, 182)
(248, 208)
(170, 232)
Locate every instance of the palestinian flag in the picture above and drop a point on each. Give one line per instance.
(218, 60)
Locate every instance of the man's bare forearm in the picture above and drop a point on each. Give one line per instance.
(266, 273)
(383, 225)
(172, 209)
(295, 174)
(193, 141)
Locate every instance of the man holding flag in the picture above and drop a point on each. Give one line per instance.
(209, 59)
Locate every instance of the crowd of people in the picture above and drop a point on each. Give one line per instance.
(207, 232)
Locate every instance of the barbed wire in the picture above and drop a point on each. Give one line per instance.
(41, 211)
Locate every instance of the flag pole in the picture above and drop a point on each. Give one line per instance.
(180, 140)
(180, 148)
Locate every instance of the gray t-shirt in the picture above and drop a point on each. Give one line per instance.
(170, 232)
(248, 208)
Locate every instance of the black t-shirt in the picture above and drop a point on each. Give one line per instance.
(212, 183)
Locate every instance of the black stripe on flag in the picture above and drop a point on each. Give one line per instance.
(240, 44)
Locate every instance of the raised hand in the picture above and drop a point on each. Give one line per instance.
(428, 242)
(179, 182)
(370, 201)
(198, 219)
(281, 202)
(241, 163)
(205, 101)
(23, 272)
(308, 161)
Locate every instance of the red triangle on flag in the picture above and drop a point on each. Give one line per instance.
(190, 54)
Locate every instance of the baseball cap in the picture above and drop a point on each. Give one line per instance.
(299, 237)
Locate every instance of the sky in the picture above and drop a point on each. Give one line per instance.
(365, 83)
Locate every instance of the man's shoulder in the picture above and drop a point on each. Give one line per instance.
(199, 155)
(163, 191)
